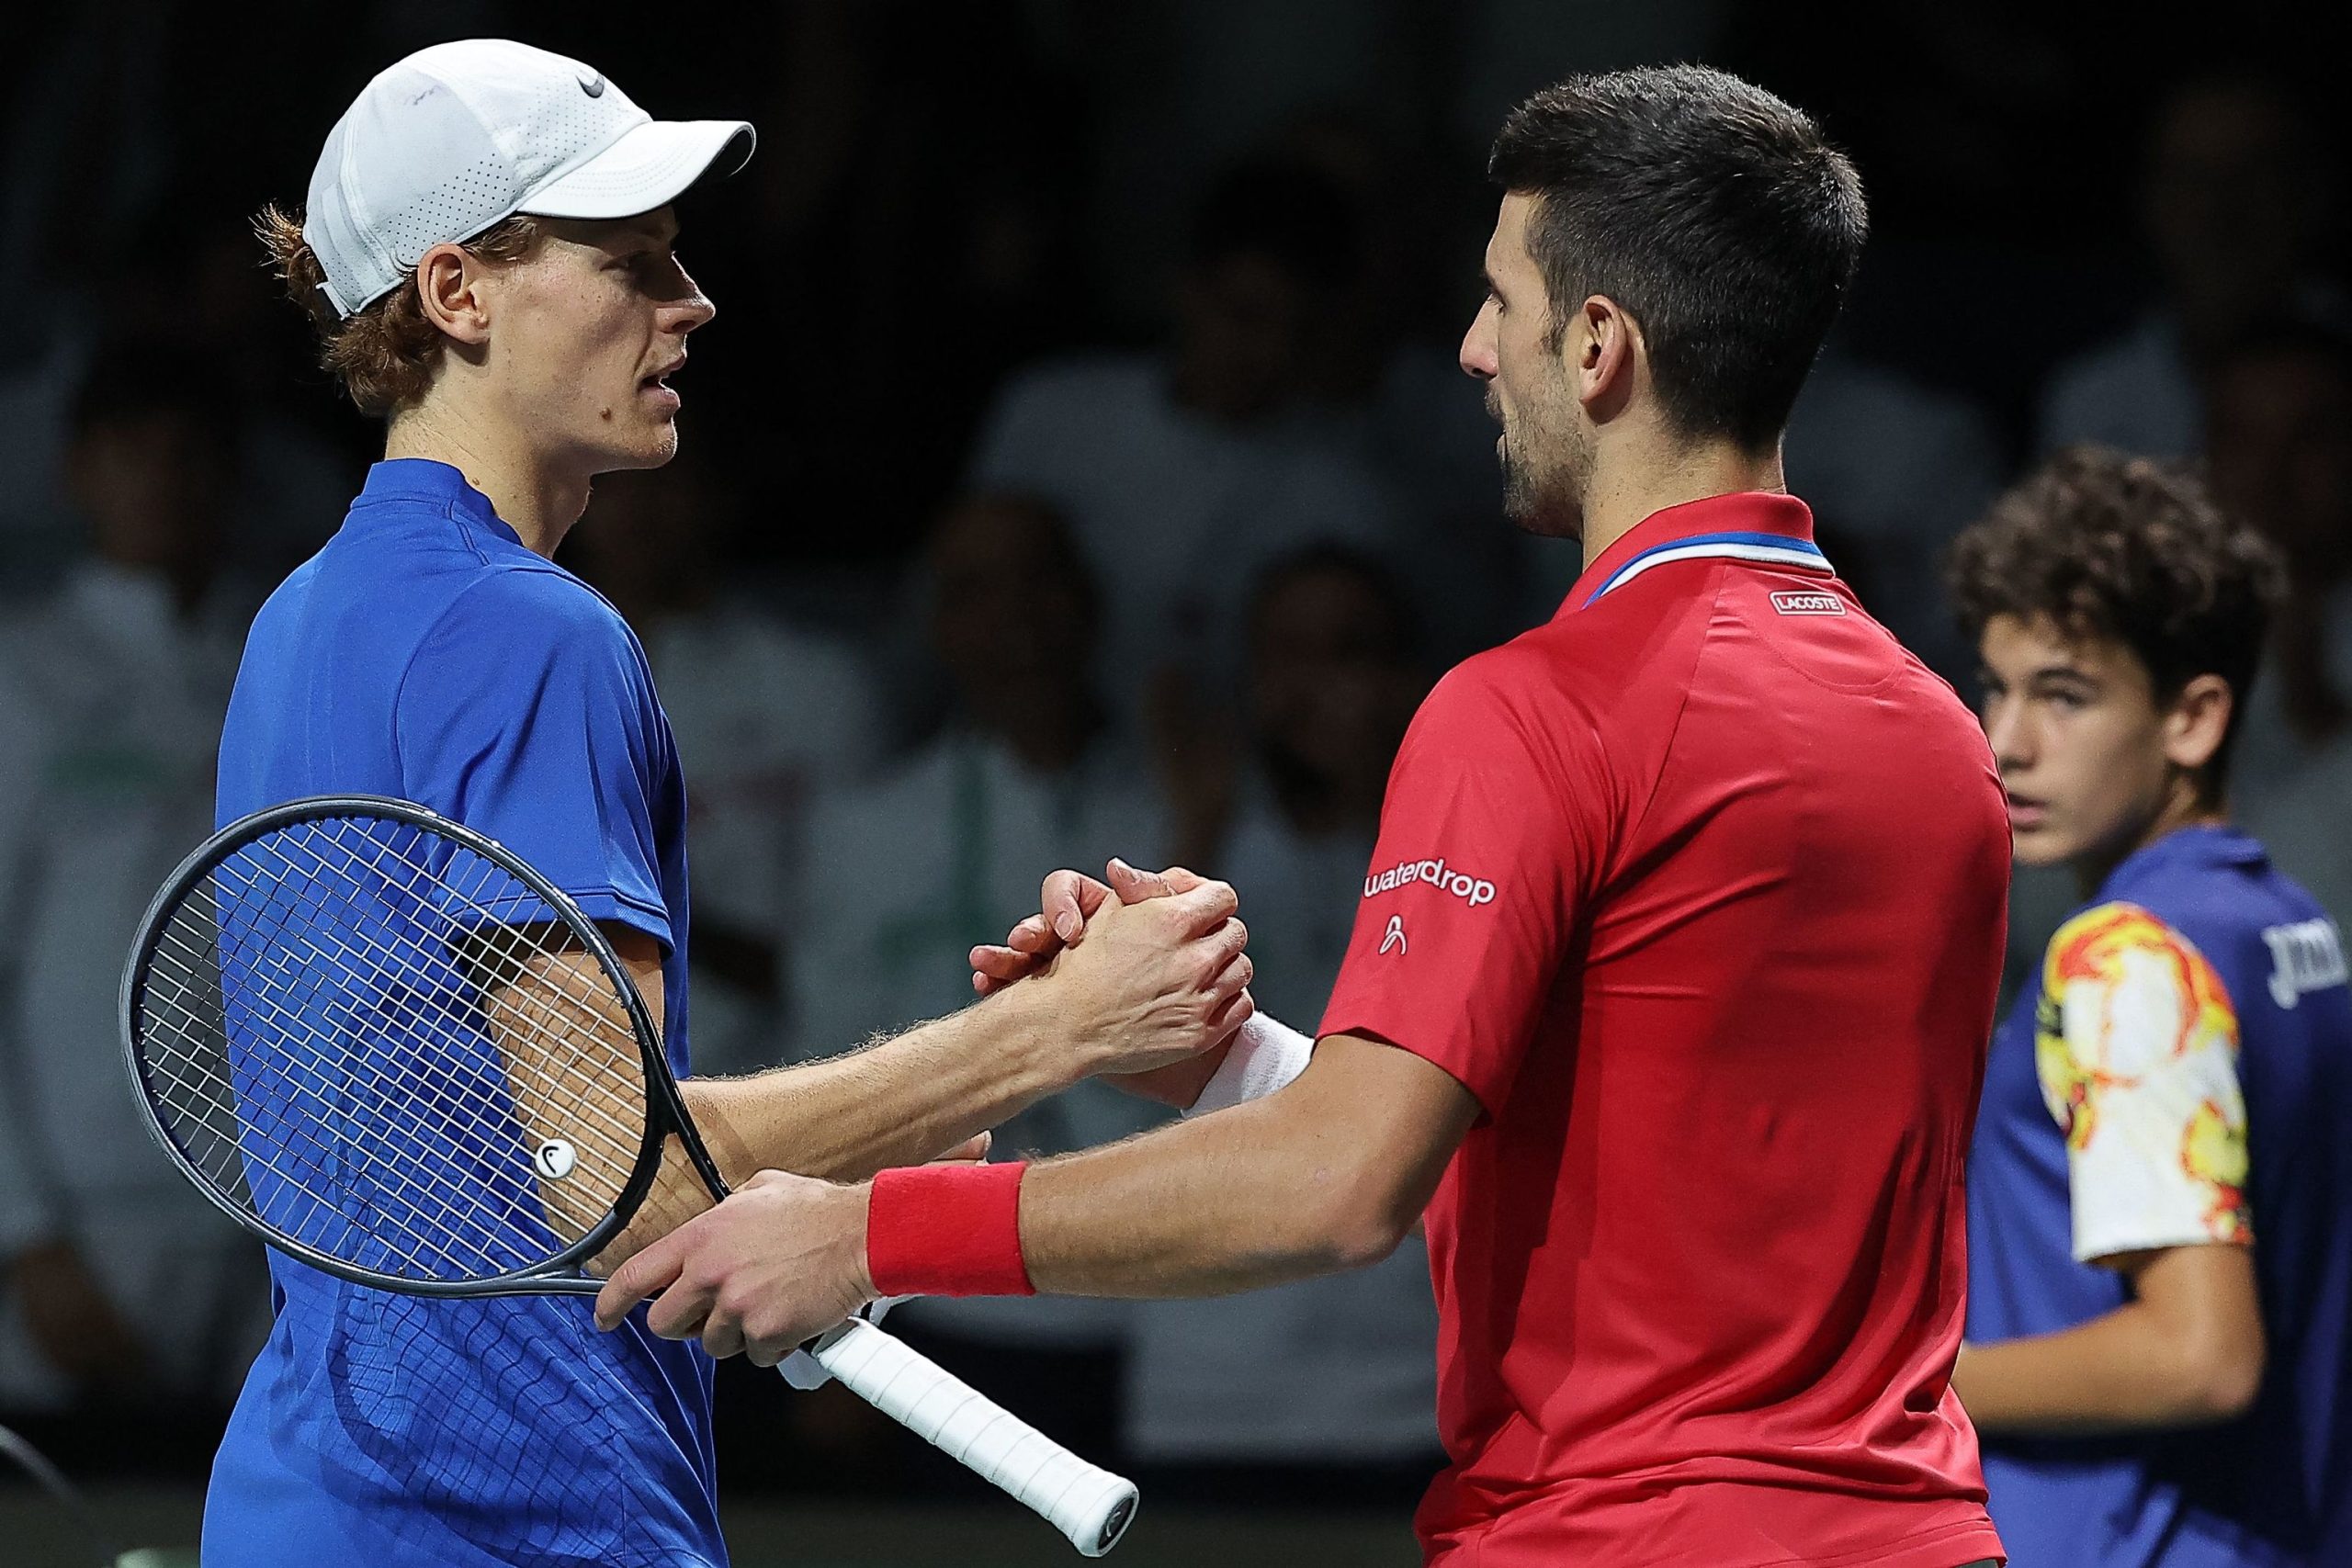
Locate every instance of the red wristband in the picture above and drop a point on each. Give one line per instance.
(947, 1230)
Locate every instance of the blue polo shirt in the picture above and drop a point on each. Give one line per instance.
(2178, 1072)
(425, 654)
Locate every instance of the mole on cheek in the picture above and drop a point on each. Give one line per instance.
(606, 414)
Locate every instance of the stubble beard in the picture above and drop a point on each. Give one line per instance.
(1545, 501)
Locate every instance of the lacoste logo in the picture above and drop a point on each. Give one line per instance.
(593, 86)
(1395, 940)
(1809, 603)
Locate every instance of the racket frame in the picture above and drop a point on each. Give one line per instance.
(1091, 1507)
(665, 1107)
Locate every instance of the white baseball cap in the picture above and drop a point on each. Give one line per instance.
(462, 136)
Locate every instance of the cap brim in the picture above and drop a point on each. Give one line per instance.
(648, 167)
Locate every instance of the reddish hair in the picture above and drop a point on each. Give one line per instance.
(386, 355)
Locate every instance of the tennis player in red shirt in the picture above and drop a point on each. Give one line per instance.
(1668, 996)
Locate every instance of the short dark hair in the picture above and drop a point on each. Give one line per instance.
(1715, 214)
(2133, 551)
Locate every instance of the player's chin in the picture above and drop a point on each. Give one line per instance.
(2040, 844)
(649, 443)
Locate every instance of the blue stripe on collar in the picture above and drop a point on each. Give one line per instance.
(1776, 549)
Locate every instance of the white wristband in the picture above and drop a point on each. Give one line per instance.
(1264, 1056)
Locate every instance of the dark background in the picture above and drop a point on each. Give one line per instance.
(945, 194)
(927, 206)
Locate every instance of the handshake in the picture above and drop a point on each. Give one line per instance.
(1141, 979)
(1145, 975)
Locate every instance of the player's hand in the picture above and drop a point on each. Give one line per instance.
(1067, 902)
(1152, 983)
(778, 1263)
(971, 1151)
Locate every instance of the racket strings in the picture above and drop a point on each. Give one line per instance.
(297, 1033)
(505, 962)
(306, 953)
(223, 1160)
(297, 1036)
(389, 1049)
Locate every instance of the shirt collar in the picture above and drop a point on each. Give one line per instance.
(2210, 845)
(420, 480)
(1752, 525)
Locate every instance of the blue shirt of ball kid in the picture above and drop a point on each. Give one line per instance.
(2178, 1073)
(425, 654)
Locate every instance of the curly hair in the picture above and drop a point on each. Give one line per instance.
(385, 355)
(2113, 547)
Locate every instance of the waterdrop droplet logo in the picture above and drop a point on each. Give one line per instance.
(554, 1159)
(1472, 890)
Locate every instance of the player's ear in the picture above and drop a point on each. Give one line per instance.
(449, 289)
(2196, 720)
(1599, 350)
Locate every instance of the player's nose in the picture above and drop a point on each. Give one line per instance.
(2009, 736)
(695, 308)
(1478, 356)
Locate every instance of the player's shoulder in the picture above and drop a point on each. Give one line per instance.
(2211, 945)
(2159, 994)
(1587, 664)
(1514, 684)
(2103, 938)
(1524, 702)
(2266, 932)
(2215, 885)
(528, 600)
(510, 624)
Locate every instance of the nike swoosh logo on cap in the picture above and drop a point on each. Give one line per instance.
(593, 86)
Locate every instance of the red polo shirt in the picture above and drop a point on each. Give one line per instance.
(1700, 889)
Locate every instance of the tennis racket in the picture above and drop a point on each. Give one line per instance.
(389, 1047)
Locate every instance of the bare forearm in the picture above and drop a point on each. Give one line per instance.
(1196, 1210)
(1327, 1173)
(900, 1101)
(2122, 1371)
(1154, 984)
(1277, 1190)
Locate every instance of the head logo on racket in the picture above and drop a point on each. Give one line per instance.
(554, 1159)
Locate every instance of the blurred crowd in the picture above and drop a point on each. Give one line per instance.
(1077, 466)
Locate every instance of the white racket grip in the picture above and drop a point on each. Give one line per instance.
(1085, 1502)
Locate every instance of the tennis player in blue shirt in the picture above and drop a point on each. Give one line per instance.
(488, 246)
(2159, 1352)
